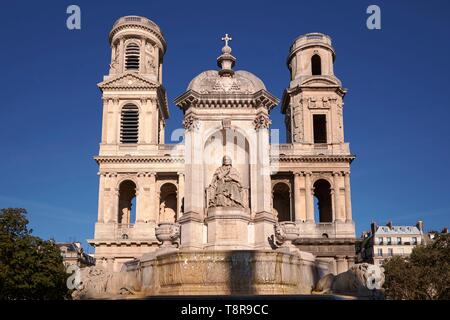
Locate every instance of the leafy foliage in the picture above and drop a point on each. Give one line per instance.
(424, 275)
(30, 267)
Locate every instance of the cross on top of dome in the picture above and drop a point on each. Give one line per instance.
(226, 39)
(226, 60)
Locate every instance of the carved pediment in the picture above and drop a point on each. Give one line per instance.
(131, 81)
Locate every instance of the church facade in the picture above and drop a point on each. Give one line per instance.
(226, 187)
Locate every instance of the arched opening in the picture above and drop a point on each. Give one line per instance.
(322, 203)
(132, 53)
(316, 65)
(127, 202)
(168, 203)
(232, 143)
(282, 202)
(129, 124)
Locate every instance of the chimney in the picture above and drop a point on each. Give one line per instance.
(445, 230)
(389, 224)
(419, 225)
(373, 228)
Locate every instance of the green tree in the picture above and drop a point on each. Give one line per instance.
(30, 267)
(424, 275)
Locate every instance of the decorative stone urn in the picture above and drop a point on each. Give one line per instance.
(169, 234)
(285, 233)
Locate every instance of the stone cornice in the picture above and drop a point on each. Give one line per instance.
(191, 98)
(313, 158)
(180, 159)
(121, 242)
(325, 241)
(157, 34)
(163, 105)
(307, 45)
(138, 159)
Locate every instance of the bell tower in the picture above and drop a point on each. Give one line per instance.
(134, 116)
(134, 100)
(313, 108)
(314, 100)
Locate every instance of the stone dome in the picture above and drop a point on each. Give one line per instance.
(240, 82)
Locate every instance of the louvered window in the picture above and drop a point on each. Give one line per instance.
(132, 57)
(129, 124)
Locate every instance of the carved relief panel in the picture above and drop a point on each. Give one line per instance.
(150, 59)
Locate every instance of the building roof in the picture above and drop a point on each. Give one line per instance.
(397, 230)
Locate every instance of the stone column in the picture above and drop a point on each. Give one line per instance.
(140, 198)
(264, 185)
(350, 262)
(115, 208)
(161, 131)
(192, 219)
(144, 227)
(180, 195)
(348, 201)
(142, 124)
(101, 196)
(114, 127)
(264, 219)
(155, 122)
(105, 120)
(113, 56)
(111, 199)
(336, 192)
(122, 55)
(341, 264)
(309, 198)
(297, 205)
(142, 67)
(152, 215)
(157, 201)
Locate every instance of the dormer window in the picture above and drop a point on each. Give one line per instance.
(132, 54)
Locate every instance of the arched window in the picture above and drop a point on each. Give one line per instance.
(132, 53)
(282, 202)
(129, 124)
(127, 196)
(322, 194)
(316, 65)
(168, 203)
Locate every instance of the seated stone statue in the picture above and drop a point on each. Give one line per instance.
(226, 188)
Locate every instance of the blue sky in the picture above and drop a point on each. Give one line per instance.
(396, 111)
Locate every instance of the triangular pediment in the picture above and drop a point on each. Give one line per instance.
(130, 81)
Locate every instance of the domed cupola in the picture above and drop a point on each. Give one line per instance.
(226, 87)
